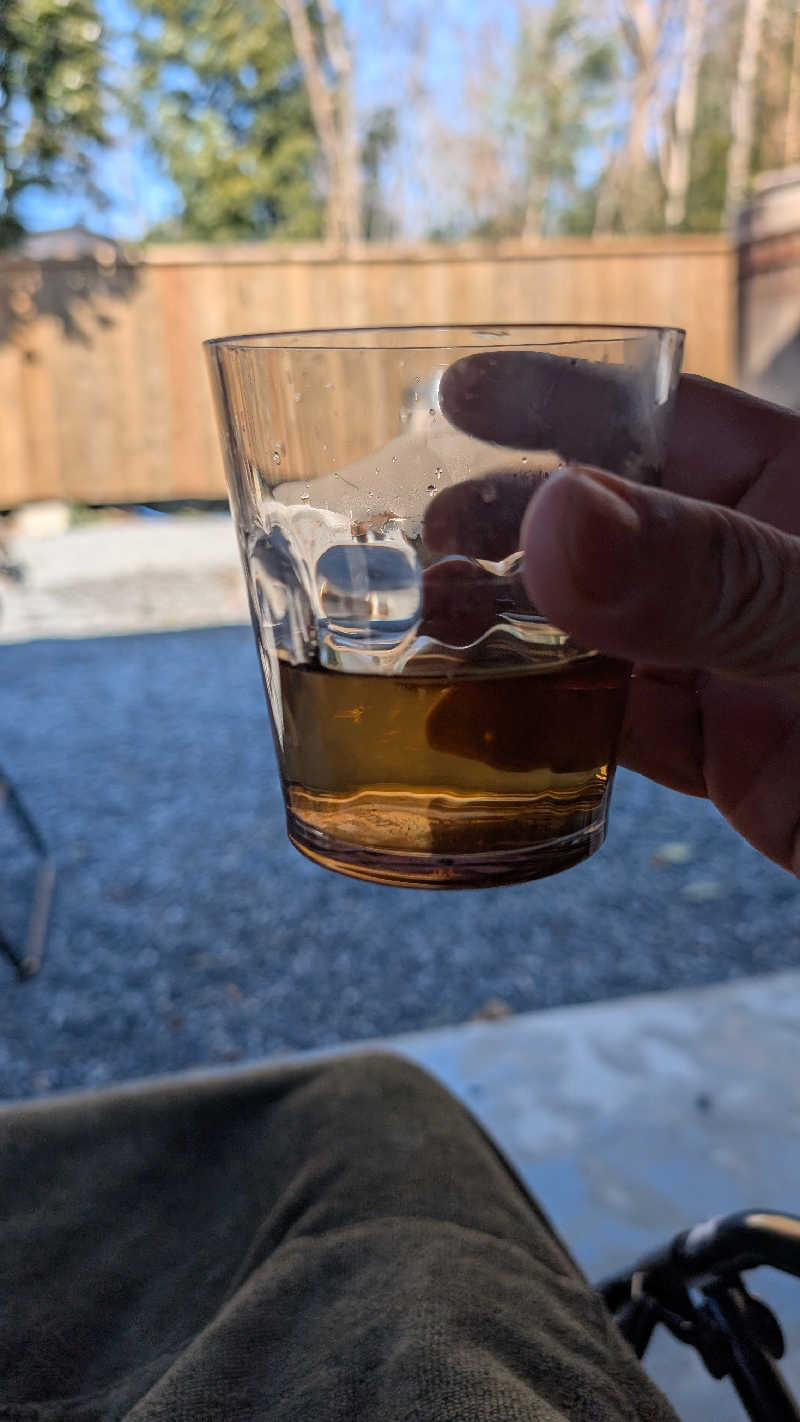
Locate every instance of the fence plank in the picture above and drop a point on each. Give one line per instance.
(15, 479)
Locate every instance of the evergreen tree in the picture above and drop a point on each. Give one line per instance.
(52, 111)
(221, 97)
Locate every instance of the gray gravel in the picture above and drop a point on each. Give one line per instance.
(186, 931)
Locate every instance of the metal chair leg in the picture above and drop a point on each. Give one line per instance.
(28, 961)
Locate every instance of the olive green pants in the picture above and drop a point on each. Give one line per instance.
(331, 1242)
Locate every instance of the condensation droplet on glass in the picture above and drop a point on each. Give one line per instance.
(305, 498)
(276, 458)
(431, 412)
(297, 395)
(438, 471)
(431, 489)
(524, 459)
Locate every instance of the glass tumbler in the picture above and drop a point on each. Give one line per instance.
(432, 728)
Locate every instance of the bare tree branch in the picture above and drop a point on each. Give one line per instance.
(339, 55)
(639, 24)
(743, 108)
(644, 28)
(609, 193)
(319, 95)
(334, 121)
(676, 177)
(791, 135)
(623, 189)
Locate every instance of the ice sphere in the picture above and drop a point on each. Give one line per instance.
(369, 590)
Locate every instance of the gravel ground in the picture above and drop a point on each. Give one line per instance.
(186, 931)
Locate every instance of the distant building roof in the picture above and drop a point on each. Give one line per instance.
(65, 244)
(774, 208)
(777, 178)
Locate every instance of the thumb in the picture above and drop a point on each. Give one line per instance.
(654, 577)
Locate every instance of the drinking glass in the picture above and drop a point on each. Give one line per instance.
(432, 728)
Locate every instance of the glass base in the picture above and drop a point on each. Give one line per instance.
(406, 870)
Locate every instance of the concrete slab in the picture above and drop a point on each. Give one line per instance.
(122, 575)
(631, 1120)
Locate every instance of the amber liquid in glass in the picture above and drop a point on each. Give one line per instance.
(429, 782)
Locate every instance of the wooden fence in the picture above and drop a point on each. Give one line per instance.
(103, 391)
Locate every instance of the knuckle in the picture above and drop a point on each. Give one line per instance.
(755, 616)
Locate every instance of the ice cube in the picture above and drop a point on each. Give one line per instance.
(369, 590)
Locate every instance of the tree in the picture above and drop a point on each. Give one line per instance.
(379, 141)
(328, 70)
(220, 95)
(564, 73)
(776, 97)
(743, 95)
(52, 102)
(630, 194)
(505, 152)
(705, 197)
(791, 139)
(679, 141)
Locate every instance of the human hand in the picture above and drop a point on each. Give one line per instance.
(697, 582)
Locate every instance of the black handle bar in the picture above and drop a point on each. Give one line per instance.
(729, 1244)
(736, 1334)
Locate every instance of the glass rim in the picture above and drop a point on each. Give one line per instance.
(291, 340)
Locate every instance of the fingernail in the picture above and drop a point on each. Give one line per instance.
(601, 533)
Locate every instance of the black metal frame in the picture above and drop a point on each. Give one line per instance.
(693, 1287)
(28, 961)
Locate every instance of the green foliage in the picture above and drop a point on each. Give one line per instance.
(705, 200)
(379, 141)
(52, 112)
(221, 98)
(563, 87)
(578, 217)
(773, 91)
(559, 107)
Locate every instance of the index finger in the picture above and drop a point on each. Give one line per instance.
(585, 411)
(719, 443)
